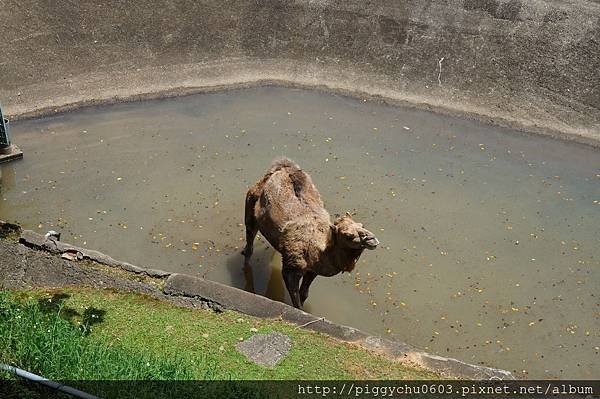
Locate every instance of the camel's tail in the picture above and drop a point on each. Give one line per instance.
(299, 179)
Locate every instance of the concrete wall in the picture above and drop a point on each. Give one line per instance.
(530, 64)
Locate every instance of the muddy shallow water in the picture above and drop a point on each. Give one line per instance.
(490, 238)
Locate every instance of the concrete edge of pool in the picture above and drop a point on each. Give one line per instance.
(532, 63)
(231, 298)
(53, 99)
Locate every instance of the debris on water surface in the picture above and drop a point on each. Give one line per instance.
(72, 255)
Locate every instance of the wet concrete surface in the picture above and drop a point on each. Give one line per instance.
(490, 240)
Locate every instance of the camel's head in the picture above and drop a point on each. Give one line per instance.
(353, 235)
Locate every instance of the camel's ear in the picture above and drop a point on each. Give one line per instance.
(348, 214)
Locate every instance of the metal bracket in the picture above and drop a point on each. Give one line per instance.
(8, 151)
(4, 134)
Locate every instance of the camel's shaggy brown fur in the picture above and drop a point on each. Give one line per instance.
(286, 208)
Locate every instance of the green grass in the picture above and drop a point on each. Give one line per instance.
(37, 335)
(85, 334)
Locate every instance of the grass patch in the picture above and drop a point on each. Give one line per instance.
(86, 334)
(40, 336)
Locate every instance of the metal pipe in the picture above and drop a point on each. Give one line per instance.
(44, 381)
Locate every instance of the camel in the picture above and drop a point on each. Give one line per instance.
(287, 209)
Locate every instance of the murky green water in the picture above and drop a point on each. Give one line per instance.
(490, 239)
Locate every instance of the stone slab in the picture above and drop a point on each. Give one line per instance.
(265, 349)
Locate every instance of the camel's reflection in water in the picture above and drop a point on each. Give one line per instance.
(261, 275)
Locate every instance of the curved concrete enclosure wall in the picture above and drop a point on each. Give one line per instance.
(530, 64)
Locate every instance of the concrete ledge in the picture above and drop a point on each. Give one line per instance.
(218, 297)
(254, 305)
(38, 241)
(151, 83)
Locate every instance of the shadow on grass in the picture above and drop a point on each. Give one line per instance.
(56, 305)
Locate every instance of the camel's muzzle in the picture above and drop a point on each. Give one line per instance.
(370, 242)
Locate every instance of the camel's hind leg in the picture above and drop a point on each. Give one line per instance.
(291, 277)
(251, 223)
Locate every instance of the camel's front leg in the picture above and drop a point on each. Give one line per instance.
(251, 225)
(292, 273)
(306, 282)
